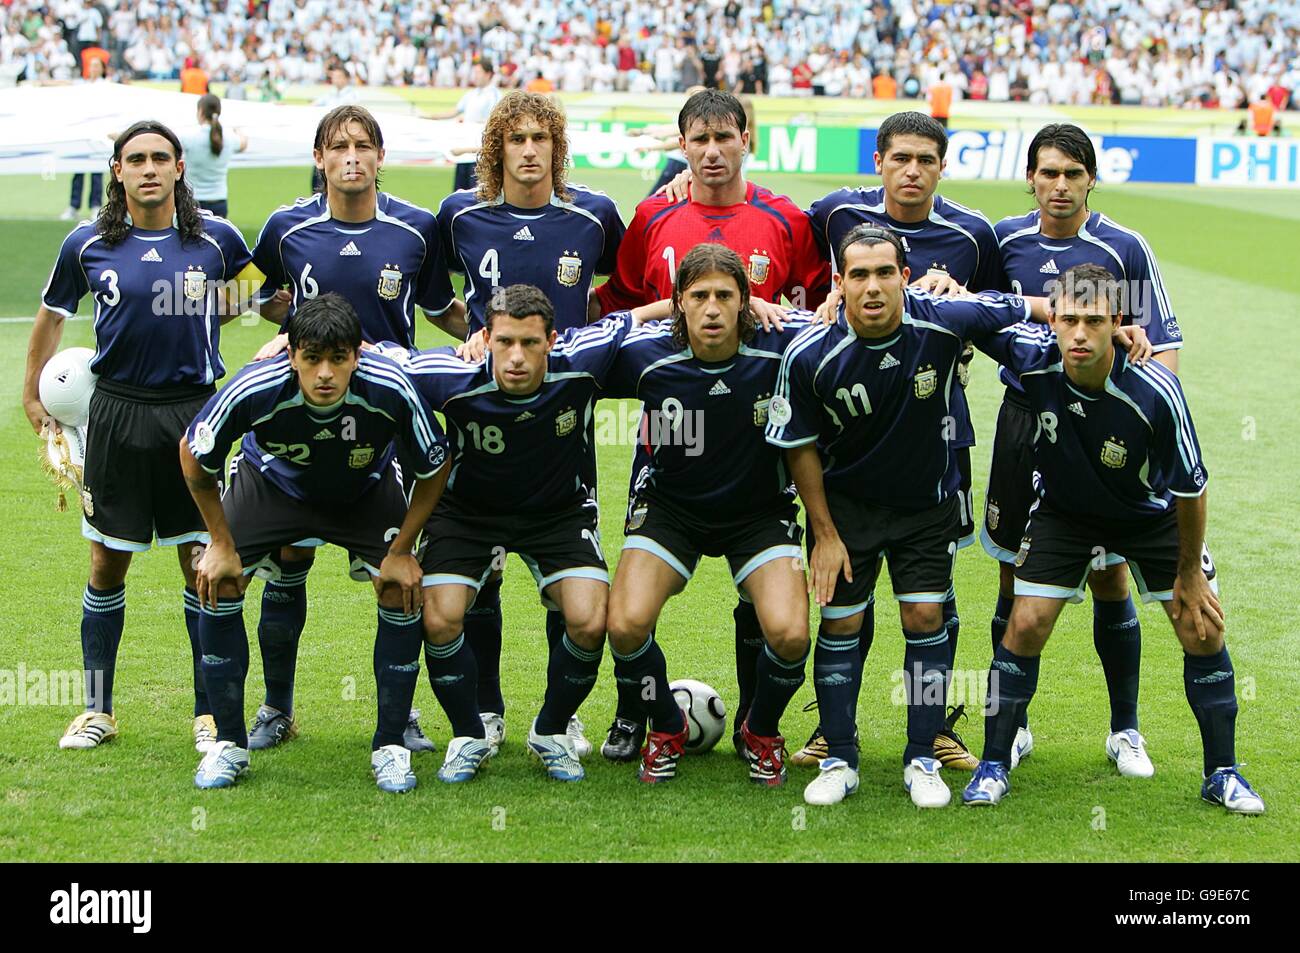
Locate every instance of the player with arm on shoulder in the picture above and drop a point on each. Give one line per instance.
(517, 423)
(1119, 472)
(863, 411)
(384, 255)
(712, 486)
(1037, 249)
(155, 266)
(949, 249)
(773, 238)
(526, 223)
(321, 430)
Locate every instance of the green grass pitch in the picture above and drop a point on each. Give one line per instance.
(1229, 263)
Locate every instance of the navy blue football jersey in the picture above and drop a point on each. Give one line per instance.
(522, 454)
(320, 454)
(954, 239)
(157, 309)
(1033, 263)
(703, 422)
(385, 267)
(560, 248)
(880, 409)
(1123, 452)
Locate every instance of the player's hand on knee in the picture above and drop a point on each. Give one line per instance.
(1194, 597)
(829, 559)
(219, 563)
(1134, 340)
(403, 571)
(272, 347)
(767, 314)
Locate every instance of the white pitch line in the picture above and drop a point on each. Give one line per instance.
(29, 320)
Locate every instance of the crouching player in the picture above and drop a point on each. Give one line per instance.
(322, 428)
(712, 487)
(519, 425)
(1120, 471)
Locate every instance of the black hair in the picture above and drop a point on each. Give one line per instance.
(869, 235)
(713, 107)
(336, 120)
(912, 123)
(485, 64)
(705, 259)
(325, 322)
(1068, 138)
(112, 223)
(520, 301)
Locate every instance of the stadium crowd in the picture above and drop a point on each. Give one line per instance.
(1156, 52)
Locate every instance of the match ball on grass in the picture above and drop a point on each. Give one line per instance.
(706, 715)
(66, 385)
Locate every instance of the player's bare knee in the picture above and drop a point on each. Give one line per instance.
(298, 554)
(439, 629)
(390, 596)
(626, 634)
(921, 616)
(789, 641)
(846, 626)
(108, 566)
(1027, 631)
(1006, 580)
(1109, 584)
(586, 627)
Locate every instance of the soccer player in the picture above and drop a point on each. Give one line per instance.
(525, 224)
(321, 432)
(155, 265)
(1037, 249)
(384, 255)
(774, 240)
(1119, 471)
(863, 409)
(517, 421)
(948, 248)
(713, 487)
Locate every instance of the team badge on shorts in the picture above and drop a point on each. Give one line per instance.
(566, 422)
(991, 515)
(778, 411)
(361, 456)
(390, 282)
(759, 265)
(196, 283)
(925, 382)
(1114, 453)
(569, 269)
(636, 518)
(760, 410)
(88, 504)
(1024, 551)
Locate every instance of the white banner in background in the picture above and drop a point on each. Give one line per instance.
(1260, 162)
(59, 129)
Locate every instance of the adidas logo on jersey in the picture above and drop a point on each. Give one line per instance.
(719, 389)
(151, 255)
(889, 361)
(350, 249)
(1050, 268)
(526, 415)
(325, 434)
(1077, 408)
(524, 235)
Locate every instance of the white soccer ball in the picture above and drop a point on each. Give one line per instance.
(706, 715)
(66, 385)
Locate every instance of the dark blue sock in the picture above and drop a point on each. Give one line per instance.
(837, 673)
(951, 622)
(570, 675)
(453, 673)
(750, 646)
(925, 678)
(103, 612)
(646, 670)
(1211, 688)
(483, 634)
(225, 643)
(998, 627)
(201, 704)
(397, 672)
(554, 627)
(630, 705)
(1117, 636)
(284, 614)
(1013, 679)
(778, 680)
(866, 635)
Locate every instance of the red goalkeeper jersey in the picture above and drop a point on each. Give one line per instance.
(769, 232)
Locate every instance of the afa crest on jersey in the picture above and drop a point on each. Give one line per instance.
(390, 282)
(1114, 453)
(759, 266)
(361, 456)
(760, 410)
(569, 270)
(566, 422)
(196, 283)
(926, 382)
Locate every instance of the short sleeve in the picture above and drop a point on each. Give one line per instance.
(234, 250)
(67, 284)
(223, 420)
(433, 290)
(794, 413)
(1147, 303)
(1174, 438)
(614, 232)
(266, 256)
